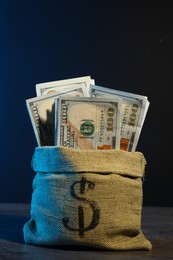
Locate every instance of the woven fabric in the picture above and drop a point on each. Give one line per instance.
(90, 198)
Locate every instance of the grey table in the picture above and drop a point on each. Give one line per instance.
(157, 226)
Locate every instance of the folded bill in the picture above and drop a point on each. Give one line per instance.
(64, 85)
(87, 123)
(42, 114)
(134, 110)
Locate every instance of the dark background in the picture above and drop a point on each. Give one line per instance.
(122, 45)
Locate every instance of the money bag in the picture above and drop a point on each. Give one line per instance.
(89, 198)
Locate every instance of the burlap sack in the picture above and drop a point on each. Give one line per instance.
(91, 198)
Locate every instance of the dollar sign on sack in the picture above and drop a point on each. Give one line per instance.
(95, 211)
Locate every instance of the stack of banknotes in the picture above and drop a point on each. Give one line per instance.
(79, 114)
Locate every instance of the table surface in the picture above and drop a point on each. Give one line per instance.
(157, 226)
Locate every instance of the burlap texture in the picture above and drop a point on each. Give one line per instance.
(90, 198)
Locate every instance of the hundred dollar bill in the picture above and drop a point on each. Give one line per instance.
(134, 110)
(87, 123)
(42, 114)
(64, 85)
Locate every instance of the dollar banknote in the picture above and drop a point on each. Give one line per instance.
(64, 85)
(42, 114)
(134, 110)
(87, 123)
